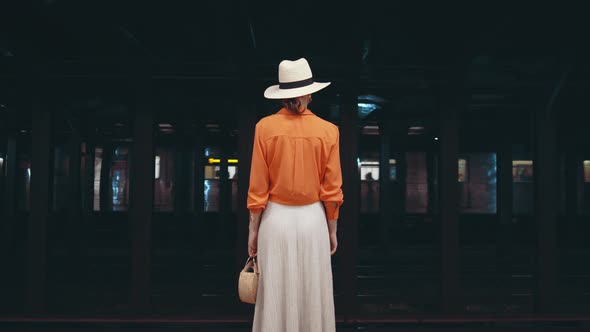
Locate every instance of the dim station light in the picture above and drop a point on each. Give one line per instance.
(415, 130)
(217, 161)
(522, 163)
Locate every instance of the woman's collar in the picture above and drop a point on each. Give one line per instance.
(286, 111)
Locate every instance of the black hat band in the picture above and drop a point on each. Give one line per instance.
(296, 84)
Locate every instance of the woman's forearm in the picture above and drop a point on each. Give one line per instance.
(332, 226)
(254, 222)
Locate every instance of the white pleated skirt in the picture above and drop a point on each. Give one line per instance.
(295, 287)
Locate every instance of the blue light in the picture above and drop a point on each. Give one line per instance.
(365, 109)
(367, 106)
(206, 194)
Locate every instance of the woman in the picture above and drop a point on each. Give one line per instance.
(294, 198)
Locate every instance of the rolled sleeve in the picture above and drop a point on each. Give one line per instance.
(331, 188)
(332, 210)
(258, 190)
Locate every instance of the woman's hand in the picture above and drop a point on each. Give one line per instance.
(253, 243)
(333, 243)
(332, 227)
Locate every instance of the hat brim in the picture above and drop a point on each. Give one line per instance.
(274, 92)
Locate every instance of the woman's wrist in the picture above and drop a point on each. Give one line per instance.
(254, 217)
(254, 222)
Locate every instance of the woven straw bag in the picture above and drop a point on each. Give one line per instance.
(248, 281)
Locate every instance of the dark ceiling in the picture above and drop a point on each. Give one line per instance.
(504, 56)
(426, 33)
(173, 30)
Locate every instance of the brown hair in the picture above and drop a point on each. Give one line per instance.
(294, 104)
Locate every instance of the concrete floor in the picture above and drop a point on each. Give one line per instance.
(571, 327)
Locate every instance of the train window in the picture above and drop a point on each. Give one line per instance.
(462, 170)
(233, 176)
(2, 177)
(586, 165)
(369, 172)
(478, 183)
(164, 179)
(23, 175)
(212, 188)
(97, 172)
(416, 182)
(119, 179)
(211, 179)
(584, 189)
(522, 186)
(112, 183)
(368, 163)
(392, 170)
(522, 171)
(157, 167)
(370, 185)
(212, 176)
(2, 171)
(85, 176)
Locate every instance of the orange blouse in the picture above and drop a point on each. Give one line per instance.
(295, 161)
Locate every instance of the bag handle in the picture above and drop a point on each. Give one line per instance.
(251, 261)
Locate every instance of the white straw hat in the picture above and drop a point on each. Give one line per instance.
(295, 80)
